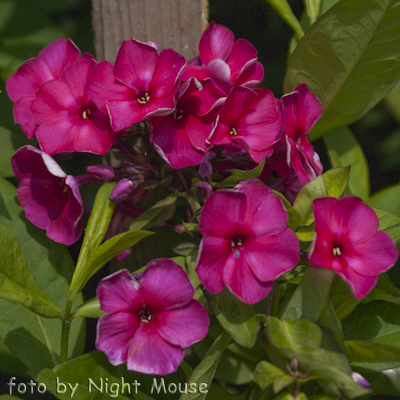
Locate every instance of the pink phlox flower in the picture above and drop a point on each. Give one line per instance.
(150, 318)
(68, 120)
(227, 61)
(142, 83)
(249, 118)
(49, 197)
(348, 242)
(22, 86)
(301, 110)
(246, 243)
(180, 138)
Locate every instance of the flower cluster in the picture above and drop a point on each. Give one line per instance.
(157, 114)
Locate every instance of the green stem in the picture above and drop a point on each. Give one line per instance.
(66, 323)
(195, 205)
(276, 299)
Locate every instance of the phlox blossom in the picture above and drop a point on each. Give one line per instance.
(150, 318)
(348, 242)
(246, 243)
(49, 197)
(22, 86)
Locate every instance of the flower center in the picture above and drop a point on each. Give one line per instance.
(178, 114)
(145, 316)
(85, 114)
(144, 99)
(233, 132)
(237, 242)
(336, 251)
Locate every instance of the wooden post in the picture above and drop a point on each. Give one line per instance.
(176, 24)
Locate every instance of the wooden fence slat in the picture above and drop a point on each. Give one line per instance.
(176, 24)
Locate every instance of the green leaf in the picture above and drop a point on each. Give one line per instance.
(89, 309)
(9, 397)
(204, 372)
(378, 321)
(376, 356)
(280, 382)
(17, 282)
(344, 150)
(265, 373)
(310, 297)
(294, 218)
(384, 290)
(9, 144)
(336, 180)
(349, 60)
(104, 253)
(86, 374)
(316, 351)
(99, 220)
(239, 175)
(237, 318)
(303, 203)
(387, 199)
(312, 8)
(160, 212)
(282, 7)
(342, 300)
(33, 339)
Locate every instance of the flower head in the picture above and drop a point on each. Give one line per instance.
(246, 243)
(150, 318)
(68, 120)
(50, 198)
(348, 242)
(142, 83)
(23, 85)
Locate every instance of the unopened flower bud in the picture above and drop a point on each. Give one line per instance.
(122, 189)
(102, 172)
(359, 379)
(204, 191)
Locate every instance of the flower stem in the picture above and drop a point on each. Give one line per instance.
(66, 323)
(194, 204)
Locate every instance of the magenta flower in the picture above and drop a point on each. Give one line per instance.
(22, 86)
(68, 120)
(226, 61)
(246, 243)
(180, 138)
(250, 118)
(301, 110)
(50, 198)
(348, 242)
(142, 83)
(150, 318)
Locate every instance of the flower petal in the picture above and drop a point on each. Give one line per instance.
(114, 335)
(165, 285)
(242, 53)
(359, 285)
(149, 353)
(23, 116)
(183, 326)
(119, 292)
(213, 254)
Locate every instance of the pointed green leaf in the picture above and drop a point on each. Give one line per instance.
(370, 355)
(344, 150)
(310, 297)
(280, 382)
(387, 199)
(312, 8)
(378, 321)
(303, 203)
(282, 7)
(89, 309)
(104, 253)
(204, 372)
(293, 218)
(336, 180)
(99, 220)
(237, 318)
(160, 212)
(349, 58)
(17, 282)
(342, 300)
(33, 339)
